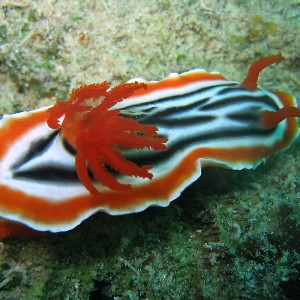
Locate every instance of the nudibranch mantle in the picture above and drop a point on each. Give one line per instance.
(123, 149)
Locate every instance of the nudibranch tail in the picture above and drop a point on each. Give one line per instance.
(99, 133)
(250, 82)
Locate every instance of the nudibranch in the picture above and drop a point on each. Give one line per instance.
(123, 149)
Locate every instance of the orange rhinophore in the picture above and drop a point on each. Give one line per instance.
(272, 118)
(250, 82)
(123, 149)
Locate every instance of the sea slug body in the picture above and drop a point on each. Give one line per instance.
(123, 149)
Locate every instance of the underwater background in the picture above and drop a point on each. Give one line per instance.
(230, 235)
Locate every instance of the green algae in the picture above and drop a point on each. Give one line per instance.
(231, 235)
(3, 34)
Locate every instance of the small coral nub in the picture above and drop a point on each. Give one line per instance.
(98, 134)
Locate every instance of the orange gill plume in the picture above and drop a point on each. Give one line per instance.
(99, 133)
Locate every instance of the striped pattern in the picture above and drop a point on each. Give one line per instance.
(222, 115)
(216, 116)
(207, 119)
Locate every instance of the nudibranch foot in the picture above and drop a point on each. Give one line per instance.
(14, 229)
